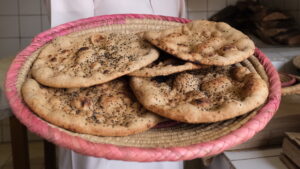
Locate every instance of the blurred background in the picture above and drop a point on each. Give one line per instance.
(21, 20)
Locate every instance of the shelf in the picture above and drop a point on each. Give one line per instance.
(281, 56)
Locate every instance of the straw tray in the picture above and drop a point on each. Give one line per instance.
(164, 143)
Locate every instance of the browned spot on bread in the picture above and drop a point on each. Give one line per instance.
(238, 73)
(53, 59)
(216, 85)
(82, 103)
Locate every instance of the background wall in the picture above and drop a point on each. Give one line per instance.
(21, 20)
(203, 9)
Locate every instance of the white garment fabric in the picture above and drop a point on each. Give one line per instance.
(63, 11)
(68, 159)
(157, 7)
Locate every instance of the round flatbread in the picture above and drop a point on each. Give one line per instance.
(165, 65)
(72, 62)
(204, 42)
(202, 96)
(109, 109)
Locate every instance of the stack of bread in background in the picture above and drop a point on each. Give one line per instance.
(272, 26)
(116, 84)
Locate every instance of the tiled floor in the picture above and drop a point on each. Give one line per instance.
(35, 153)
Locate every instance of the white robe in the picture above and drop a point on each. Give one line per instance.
(63, 11)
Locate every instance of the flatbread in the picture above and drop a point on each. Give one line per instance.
(109, 109)
(165, 65)
(202, 96)
(205, 42)
(72, 61)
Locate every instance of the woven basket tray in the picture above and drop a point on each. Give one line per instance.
(295, 87)
(287, 79)
(169, 143)
(292, 89)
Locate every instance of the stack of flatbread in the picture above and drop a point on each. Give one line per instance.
(117, 84)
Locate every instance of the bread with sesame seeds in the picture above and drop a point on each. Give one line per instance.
(202, 96)
(109, 109)
(165, 65)
(87, 60)
(204, 42)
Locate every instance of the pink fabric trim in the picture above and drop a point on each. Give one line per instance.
(34, 124)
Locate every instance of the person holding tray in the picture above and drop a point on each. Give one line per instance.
(63, 11)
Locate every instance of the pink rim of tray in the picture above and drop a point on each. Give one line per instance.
(40, 127)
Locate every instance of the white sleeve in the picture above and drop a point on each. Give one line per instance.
(68, 159)
(174, 8)
(182, 9)
(63, 11)
(107, 7)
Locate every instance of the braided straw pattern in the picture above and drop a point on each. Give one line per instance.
(177, 142)
(287, 79)
(292, 90)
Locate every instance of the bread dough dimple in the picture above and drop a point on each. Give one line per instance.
(203, 95)
(239, 73)
(87, 60)
(205, 42)
(104, 110)
(186, 82)
(216, 85)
